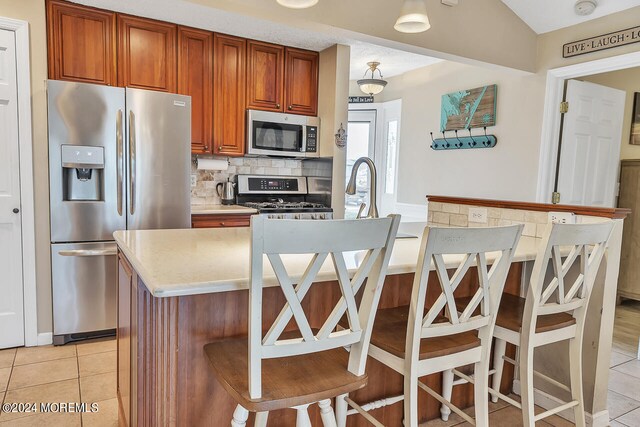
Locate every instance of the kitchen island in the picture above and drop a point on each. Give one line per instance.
(180, 289)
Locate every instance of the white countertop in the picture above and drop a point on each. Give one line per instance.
(221, 210)
(198, 261)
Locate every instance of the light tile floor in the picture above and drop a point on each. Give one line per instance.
(84, 372)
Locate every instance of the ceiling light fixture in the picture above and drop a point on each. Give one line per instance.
(297, 4)
(585, 7)
(372, 86)
(413, 17)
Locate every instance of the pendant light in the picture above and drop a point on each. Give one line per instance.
(372, 86)
(413, 17)
(297, 4)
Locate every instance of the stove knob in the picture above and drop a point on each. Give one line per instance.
(296, 216)
(280, 216)
(322, 216)
(314, 216)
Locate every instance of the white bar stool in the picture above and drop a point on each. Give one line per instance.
(416, 345)
(295, 369)
(552, 312)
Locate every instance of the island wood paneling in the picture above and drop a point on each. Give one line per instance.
(175, 384)
(614, 213)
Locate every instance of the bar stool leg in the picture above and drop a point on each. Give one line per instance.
(411, 398)
(447, 390)
(302, 417)
(575, 359)
(341, 410)
(326, 413)
(480, 391)
(261, 419)
(499, 350)
(240, 416)
(526, 385)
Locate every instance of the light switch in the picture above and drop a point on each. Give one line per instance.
(193, 180)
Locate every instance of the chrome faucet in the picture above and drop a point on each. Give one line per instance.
(351, 187)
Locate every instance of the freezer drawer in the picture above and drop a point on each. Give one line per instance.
(84, 289)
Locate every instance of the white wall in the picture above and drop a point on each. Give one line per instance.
(508, 171)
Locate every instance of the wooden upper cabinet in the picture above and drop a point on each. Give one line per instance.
(301, 77)
(146, 54)
(195, 78)
(81, 43)
(229, 82)
(265, 76)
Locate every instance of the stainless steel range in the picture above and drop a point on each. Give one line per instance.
(286, 197)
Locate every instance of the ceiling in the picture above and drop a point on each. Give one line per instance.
(393, 61)
(549, 15)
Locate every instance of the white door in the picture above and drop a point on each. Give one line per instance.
(11, 287)
(361, 133)
(590, 145)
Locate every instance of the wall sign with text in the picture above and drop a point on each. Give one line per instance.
(605, 41)
(361, 100)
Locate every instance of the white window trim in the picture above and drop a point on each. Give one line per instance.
(21, 30)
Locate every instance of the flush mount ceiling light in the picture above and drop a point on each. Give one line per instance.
(585, 7)
(413, 17)
(297, 4)
(372, 86)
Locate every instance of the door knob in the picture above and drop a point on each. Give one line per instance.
(16, 210)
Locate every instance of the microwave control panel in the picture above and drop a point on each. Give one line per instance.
(312, 139)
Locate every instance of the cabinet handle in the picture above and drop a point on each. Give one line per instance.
(277, 105)
(222, 224)
(290, 107)
(206, 148)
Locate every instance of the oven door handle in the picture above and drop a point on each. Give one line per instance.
(88, 252)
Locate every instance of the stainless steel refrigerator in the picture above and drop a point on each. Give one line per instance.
(118, 159)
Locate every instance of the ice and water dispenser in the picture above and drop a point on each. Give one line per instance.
(82, 173)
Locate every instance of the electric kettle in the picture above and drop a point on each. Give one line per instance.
(226, 192)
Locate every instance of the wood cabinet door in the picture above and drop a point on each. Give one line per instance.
(229, 82)
(195, 78)
(81, 43)
(301, 82)
(125, 283)
(146, 54)
(265, 76)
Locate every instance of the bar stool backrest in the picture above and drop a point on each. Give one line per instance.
(474, 246)
(321, 239)
(581, 243)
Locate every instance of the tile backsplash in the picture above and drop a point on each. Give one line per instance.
(204, 192)
(457, 215)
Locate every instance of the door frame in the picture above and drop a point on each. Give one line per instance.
(552, 118)
(25, 142)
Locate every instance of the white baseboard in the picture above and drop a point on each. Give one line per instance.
(547, 401)
(45, 338)
(411, 212)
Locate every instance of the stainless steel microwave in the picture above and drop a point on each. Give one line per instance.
(284, 135)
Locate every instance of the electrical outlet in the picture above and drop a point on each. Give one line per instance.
(478, 215)
(193, 180)
(562, 217)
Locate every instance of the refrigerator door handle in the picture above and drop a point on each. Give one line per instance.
(119, 159)
(88, 252)
(132, 162)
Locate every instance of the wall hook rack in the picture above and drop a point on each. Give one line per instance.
(463, 142)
